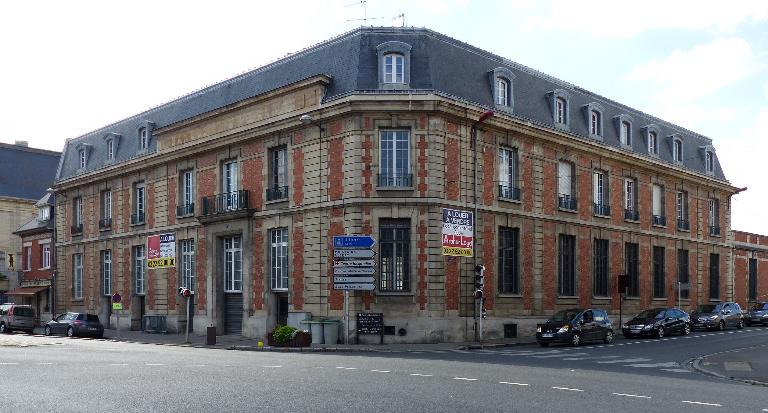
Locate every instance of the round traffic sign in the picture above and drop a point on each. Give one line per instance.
(116, 298)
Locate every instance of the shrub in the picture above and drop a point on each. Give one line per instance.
(283, 334)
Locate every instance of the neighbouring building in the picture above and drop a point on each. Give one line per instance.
(750, 262)
(36, 264)
(25, 174)
(371, 133)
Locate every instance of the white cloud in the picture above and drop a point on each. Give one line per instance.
(610, 18)
(685, 76)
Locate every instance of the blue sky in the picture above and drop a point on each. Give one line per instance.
(72, 67)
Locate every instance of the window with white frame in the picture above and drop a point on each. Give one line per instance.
(714, 217)
(106, 205)
(630, 194)
(106, 273)
(709, 161)
(77, 276)
(395, 158)
(566, 191)
(28, 258)
(44, 213)
(653, 143)
(278, 257)
(600, 189)
(508, 174)
(502, 91)
(81, 156)
(188, 264)
(278, 175)
(682, 210)
(187, 192)
(560, 111)
(46, 255)
(77, 213)
(657, 207)
(677, 150)
(625, 133)
(143, 139)
(594, 123)
(229, 184)
(139, 203)
(394, 68)
(139, 270)
(110, 150)
(233, 264)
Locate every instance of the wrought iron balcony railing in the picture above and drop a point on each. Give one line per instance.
(395, 181)
(276, 193)
(105, 223)
(631, 215)
(225, 203)
(76, 229)
(137, 218)
(602, 209)
(714, 230)
(185, 209)
(567, 202)
(660, 220)
(509, 192)
(683, 224)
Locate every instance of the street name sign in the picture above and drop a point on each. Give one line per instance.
(355, 263)
(357, 287)
(353, 280)
(354, 270)
(353, 267)
(353, 241)
(339, 253)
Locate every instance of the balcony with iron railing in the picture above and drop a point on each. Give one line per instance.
(395, 180)
(631, 214)
(714, 230)
(225, 203)
(567, 202)
(683, 224)
(76, 229)
(137, 218)
(602, 209)
(277, 193)
(185, 210)
(659, 220)
(510, 193)
(105, 223)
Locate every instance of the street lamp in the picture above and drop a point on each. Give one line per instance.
(473, 136)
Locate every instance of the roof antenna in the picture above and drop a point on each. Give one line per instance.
(364, 4)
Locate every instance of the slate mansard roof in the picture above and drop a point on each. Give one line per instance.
(438, 64)
(25, 172)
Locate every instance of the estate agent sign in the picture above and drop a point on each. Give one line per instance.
(161, 251)
(457, 232)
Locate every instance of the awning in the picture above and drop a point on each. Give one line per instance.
(26, 291)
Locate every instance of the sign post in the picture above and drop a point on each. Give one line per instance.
(117, 305)
(353, 268)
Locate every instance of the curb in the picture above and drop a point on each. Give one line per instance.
(495, 345)
(696, 365)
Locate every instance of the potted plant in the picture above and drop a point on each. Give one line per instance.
(287, 336)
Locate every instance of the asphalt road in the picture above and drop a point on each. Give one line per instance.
(60, 374)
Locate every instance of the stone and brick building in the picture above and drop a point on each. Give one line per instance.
(371, 133)
(750, 267)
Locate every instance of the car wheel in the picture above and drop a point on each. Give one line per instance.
(544, 344)
(749, 324)
(686, 329)
(3, 329)
(47, 330)
(30, 332)
(70, 332)
(608, 337)
(740, 325)
(660, 332)
(721, 325)
(575, 340)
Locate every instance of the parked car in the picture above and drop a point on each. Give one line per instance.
(75, 324)
(758, 314)
(16, 317)
(575, 326)
(658, 322)
(718, 316)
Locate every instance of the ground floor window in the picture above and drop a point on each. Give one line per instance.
(567, 265)
(394, 253)
(233, 264)
(509, 273)
(278, 254)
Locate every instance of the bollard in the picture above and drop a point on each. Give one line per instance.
(210, 336)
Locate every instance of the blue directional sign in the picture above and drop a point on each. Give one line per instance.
(353, 241)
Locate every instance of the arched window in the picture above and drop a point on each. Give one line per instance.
(81, 158)
(626, 137)
(677, 150)
(653, 143)
(502, 92)
(560, 109)
(709, 161)
(143, 139)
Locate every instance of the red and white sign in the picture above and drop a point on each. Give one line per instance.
(457, 232)
(161, 251)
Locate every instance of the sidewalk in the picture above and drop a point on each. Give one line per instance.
(749, 365)
(237, 342)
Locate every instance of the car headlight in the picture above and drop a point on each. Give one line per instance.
(714, 317)
(647, 327)
(538, 329)
(564, 329)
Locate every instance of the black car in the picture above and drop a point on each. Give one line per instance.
(758, 314)
(75, 324)
(717, 316)
(658, 322)
(575, 326)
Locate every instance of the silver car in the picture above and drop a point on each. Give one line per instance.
(758, 314)
(16, 317)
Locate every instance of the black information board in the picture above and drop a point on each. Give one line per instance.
(370, 323)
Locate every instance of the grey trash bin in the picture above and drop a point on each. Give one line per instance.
(316, 329)
(331, 332)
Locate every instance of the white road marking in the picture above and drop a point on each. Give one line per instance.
(154, 364)
(421, 375)
(347, 368)
(196, 365)
(513, 383)
(380, 371)
(632, 395)
(119, 364)
(669, 364)
(549, 356)
(677, 370)
(271, 367)
(637, 360)
(703, 404)
(464, 378)
(44, 364)
(565, 388)
(9, 364)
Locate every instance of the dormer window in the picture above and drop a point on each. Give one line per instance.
(502, 88)
(560, 110)
(111, 140)
(44, 213)
(110, 151)
(677, 149)
(83, 150)
(81, 157)
(559, 101)
(594, 117)
(394, 65)
(145, 136)
(143, 139)
(652, 139)
(623, 124)
(708, 161)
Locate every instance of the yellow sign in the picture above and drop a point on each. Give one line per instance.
(460, 252)
(117, 306)
(161, 262)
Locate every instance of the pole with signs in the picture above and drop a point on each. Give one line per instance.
(117, 306)
(353, 268)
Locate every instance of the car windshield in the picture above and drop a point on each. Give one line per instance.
(22, 311)
(93, 317)
(760, 306)
(652, 313)
(70, 316)
(709, 308)
(564, 316)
